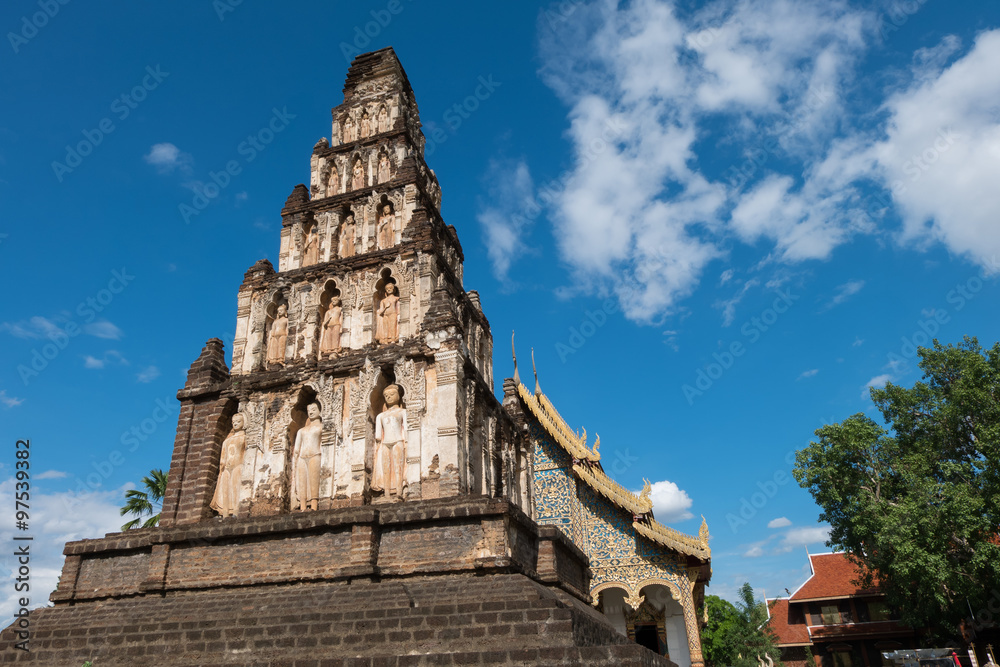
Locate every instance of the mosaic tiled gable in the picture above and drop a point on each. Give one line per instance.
(644, 574)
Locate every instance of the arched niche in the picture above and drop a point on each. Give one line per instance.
(220, 428)
(385, 223)
(271, 314)
(383, 166)
(382, 118)
(299, 417)
(330, 178)
(365, 124)
(359, 173)
(393, 462)
(348, 233)
(310, 242)
(330, 341)
(349, 130)
(385, 310)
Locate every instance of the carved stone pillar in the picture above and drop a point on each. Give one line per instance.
(411, 378)
(448, 364)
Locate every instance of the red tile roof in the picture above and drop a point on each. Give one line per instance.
(789, 634)
(833, 577)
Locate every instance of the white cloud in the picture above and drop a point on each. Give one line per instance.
(93, 362)
(166, 157)
(640, 213)
(56, 518)
(877, 382)
(726, 276)
(780, 522)
(808, 374)
(670, 502)
(941, 149)
(508, 219)
(845, 292)
(797, 537)
(51, 474)
(35, 328)
(97, 363)
(635, 214)
(103, 329)
(728, 306)
(148, 374)
(755, 550)
(10, 401)
(858, 341)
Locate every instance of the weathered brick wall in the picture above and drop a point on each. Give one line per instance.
(228, 562)
(502, 619)
(113, 575)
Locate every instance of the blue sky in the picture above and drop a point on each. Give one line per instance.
(715, 223)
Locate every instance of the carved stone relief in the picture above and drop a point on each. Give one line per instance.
(278, 337)
(388, 474)
(307, 453)
(226, 500)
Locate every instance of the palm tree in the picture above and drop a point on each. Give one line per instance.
(145, 502)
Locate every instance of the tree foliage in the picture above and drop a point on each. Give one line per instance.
(917, 502)
(141, 503)
(737, 635)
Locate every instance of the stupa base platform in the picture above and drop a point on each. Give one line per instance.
(459, 581)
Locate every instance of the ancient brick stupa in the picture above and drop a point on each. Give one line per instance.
(349, 490)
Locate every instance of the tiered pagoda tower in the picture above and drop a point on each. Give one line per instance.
(368, 294)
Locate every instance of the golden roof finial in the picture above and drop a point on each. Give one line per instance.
(597, 444)
(703, 532)
(517, 377)
(647, 491)
(538, 387)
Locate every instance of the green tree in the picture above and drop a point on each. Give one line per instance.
(737, 635)
(718, 643)
(916, 502)
(140, 503)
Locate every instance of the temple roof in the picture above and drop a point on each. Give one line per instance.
(787, 632)
(588, 469)
(833, 577)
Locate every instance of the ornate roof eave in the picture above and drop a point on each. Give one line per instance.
(676, 540)
(567, 441)
(610, 489)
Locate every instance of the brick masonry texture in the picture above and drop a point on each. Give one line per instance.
(223, 594)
